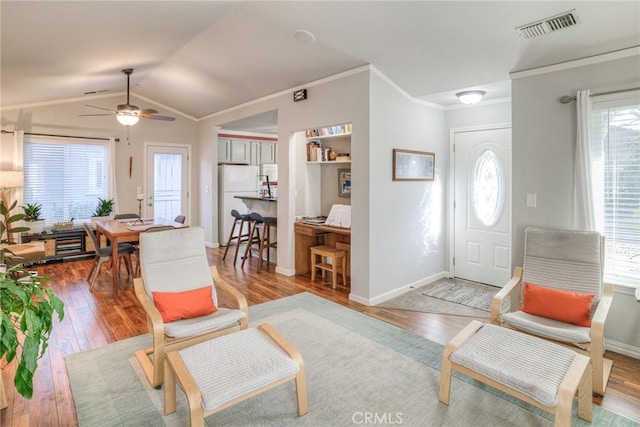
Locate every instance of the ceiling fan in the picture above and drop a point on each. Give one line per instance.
(128, 114)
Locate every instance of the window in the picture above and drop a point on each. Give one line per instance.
(615, 152)
(66, 177)
(488, 189)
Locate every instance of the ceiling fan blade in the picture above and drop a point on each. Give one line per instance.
(99, 108)
(147, 111)
(156, 117)
(102, 114)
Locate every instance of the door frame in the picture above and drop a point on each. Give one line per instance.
(145, 166)
(451, 230)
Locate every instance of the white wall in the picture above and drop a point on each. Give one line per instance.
(479, 115)
(343, 100)
(543, 148)
(64, 119)
(407, 219)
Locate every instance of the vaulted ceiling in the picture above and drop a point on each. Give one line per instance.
(205, 56)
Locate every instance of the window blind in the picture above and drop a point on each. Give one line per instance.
(615, 143)
(66, 176)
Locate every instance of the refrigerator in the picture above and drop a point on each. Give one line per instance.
(234, 180)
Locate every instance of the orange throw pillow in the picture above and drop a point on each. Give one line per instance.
(568, 307)
(184, 305)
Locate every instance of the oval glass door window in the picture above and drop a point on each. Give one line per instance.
(488, 188)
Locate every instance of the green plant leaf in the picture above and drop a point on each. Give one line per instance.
(8, 338)
(26, 313)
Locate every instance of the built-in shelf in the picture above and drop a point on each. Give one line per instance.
(330, 162)
(323, 137)
(324, 144)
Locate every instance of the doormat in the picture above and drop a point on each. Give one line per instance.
(448, 296)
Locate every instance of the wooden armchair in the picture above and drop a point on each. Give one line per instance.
(175, 261)
(571, 261)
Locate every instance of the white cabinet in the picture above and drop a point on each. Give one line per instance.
(263, 152)
(234, 151)
(224, 152)
(240, 151)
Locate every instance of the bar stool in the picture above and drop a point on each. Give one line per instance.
(261, 244)
(240, 237)
(336, 256)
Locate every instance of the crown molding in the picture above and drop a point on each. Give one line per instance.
(589, 60)
(324, 80)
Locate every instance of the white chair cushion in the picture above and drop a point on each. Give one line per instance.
(221, 319)
(548, 328)
(161, 253)
(524, 363)
(565, 260)
(235, 364)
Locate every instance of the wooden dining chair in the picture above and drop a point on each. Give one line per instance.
(103, 254)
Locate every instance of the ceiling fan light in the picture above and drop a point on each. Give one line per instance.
(470, 96)
(127, 119)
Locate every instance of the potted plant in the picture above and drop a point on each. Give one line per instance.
(7, 231)
(32, 217)
(27, 308)
(103, 210)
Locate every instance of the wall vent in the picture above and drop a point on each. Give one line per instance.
(548, 25)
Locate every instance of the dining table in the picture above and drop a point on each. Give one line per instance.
(126, 231)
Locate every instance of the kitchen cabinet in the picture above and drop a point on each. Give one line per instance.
(233, 151)
(263, 152)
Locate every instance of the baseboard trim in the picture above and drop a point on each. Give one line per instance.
(285, 271)
(622, 348)
(399, 291)
(211, 245)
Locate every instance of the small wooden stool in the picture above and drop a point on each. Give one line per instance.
(338, 258)
(531, 369)
(221, 372)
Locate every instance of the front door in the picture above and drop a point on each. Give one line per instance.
(167, 183)
(482, 205)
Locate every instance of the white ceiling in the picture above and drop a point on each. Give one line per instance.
(205, 56)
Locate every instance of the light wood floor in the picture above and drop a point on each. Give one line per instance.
(94, 319)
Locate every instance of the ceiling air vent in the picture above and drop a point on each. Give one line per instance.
(548, 25)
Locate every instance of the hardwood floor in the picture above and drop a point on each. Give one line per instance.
(93, 319)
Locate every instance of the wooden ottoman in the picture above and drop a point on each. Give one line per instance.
(226, 370)
(536, 371)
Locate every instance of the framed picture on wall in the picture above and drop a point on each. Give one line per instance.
(344, 182)
(411, 165)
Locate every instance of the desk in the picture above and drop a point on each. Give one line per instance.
(119, 232)
(308, 235)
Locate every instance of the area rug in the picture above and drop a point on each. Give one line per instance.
(359, 371)
(448, 296)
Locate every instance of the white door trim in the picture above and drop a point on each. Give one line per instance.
(189, 172)
(451, 192)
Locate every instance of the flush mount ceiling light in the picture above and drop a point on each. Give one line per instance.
(470, 96)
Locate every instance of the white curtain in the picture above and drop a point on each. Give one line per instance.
(583, 206)
(113, 187)
(18, 156)
(17, 162)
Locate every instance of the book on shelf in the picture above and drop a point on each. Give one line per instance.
(312, 154)
(329, 130)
